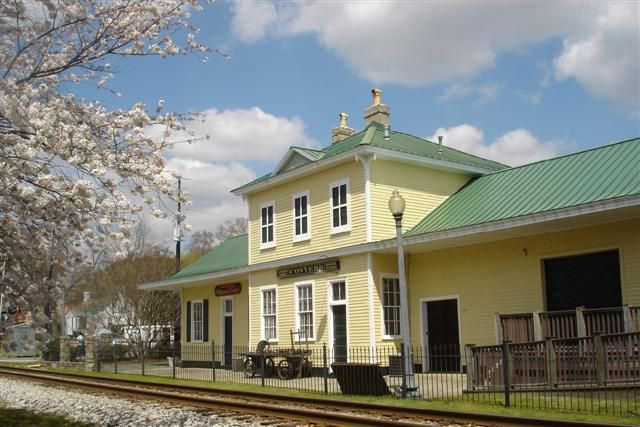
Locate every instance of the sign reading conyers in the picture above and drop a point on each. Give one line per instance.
(309, 268)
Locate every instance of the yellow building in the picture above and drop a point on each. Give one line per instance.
(480, 238)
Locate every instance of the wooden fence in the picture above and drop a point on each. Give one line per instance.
(579, 362)
(528, 327)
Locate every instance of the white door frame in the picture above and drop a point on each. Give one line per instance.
(424, 326)
(223, 316)
(330, 304)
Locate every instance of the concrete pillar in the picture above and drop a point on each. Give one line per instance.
(91, 352)
(65, 351)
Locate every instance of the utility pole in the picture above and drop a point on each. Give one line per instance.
(177, 230)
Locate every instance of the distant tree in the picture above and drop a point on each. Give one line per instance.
(203, 241)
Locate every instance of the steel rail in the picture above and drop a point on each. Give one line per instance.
(269, 404)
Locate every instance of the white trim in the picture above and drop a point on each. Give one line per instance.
(250, 290)
(223, 315)
(343, 228)
(424, 327)
(262, 290)
(381, 245)
(296, 286)
(381, 293)
(331, 303)
(305, 236)
(191, 320)
(271, 244)
(366, 163)
(313, 167)
(370, 289)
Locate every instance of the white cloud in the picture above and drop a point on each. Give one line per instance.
(460, 90)
(240, 135)
(532, 98)
(251, 19)
(514, 148)
(606, 59)
(213, 166)
(420, 43)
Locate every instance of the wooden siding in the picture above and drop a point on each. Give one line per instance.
(422, 188)
(353, 269)
(498, 277)
(240, 312)
(319, 214)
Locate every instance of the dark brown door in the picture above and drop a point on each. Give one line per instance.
(443, 338)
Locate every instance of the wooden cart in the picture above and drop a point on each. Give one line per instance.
(287, 363)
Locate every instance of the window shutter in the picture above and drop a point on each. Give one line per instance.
(205, 320)
(188, 321)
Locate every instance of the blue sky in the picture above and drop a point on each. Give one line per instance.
(515, 82)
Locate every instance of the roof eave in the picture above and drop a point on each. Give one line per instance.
(382, 153)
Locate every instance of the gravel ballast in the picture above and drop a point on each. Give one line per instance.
(105, 410)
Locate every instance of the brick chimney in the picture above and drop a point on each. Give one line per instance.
(377, 112)
(342, 131)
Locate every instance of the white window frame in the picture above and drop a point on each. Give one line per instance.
(264, 289)
(297, 286)
(271, 244)
(193, 321)
(224, 314)
(333, 302)
(343, 227)
(303, 236)
(382, 309)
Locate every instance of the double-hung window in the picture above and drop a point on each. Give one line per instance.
(305, 310)
(301, 216)
(267, 232)
(269, 308)
(339, 206)
(391, 305)
(197, 320)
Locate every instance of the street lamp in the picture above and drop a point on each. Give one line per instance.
(396, 206)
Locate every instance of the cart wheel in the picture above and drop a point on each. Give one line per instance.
(249, 368)
(284, 369)
(305, 369)
(269, 366)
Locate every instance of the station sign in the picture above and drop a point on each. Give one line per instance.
(323, 266)
(228, 289)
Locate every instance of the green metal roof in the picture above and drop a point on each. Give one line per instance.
(232, 253)
(400, 142)
(602, 173)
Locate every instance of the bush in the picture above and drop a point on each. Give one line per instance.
(52, 349)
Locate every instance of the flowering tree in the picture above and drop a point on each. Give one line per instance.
(74, 173)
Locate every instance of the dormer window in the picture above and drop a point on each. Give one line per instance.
(301, 216)
(267, 232)
(340, 206)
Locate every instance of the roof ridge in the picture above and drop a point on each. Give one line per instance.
(600, 147)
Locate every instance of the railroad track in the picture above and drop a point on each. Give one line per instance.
(276, 409)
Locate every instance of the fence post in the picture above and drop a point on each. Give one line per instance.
(506, 365)
(468, 355)
(499, 334)
(142, 360)
(581, 326)
(537, 326)
(598, 348)
(173, 358)
(403, 371)
(627, 319)
(115, 362)
(552, 363)
(325, 368)
(263, 362)
(213, 360)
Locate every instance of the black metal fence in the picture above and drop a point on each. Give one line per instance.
(590, 375)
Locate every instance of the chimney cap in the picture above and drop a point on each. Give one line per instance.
(376, 96)
(343, 120)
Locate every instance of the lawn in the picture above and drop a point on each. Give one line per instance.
(10, 417)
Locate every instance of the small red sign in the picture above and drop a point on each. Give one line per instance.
(228, 289)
